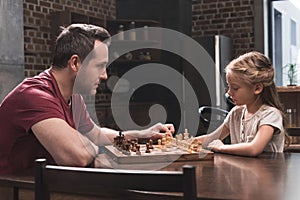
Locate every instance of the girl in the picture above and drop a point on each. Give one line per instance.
(255, 124)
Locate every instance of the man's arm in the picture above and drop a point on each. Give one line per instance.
(104, 136)
(65, 144)
(69, 147)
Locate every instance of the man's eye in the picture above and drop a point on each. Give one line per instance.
(101, 66)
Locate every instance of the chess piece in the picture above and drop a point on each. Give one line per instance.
(127, 149)
(120, 140)
(179, 137)
(151, 144)
(173, 141)
(186, 134)
(147, 148)
(159, 143)
(133, 146)
(115, 141)
(137, 151)
(168, 139)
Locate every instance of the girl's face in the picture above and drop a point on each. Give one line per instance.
(242, 93)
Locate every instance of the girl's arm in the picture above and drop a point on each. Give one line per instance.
(253, 148)
(220, 133)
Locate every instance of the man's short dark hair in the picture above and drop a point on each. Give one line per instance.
(77, 39)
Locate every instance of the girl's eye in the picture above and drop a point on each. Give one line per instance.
(226, 89)
(233, 88)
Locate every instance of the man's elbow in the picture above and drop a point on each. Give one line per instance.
(80, 159)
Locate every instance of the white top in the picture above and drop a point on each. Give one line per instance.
(245, 130)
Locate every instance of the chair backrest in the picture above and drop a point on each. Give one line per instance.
(90, 181)
(212, 116)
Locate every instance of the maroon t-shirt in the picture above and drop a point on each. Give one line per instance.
(34, 100)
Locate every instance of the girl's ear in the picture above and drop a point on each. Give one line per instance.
(258, 88)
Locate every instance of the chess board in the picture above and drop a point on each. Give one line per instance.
(172, 154)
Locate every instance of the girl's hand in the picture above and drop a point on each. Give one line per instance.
(215, 145)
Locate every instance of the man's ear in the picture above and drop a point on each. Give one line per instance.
(74, 63)
(258, 88)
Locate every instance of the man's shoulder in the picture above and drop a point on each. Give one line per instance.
(31, 89)
(44, 78)
(42, 83)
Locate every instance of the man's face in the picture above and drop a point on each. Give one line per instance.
(92, 70)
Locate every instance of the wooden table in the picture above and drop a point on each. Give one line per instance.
(269, 176)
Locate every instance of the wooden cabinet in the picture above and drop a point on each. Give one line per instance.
(172, 14)
(134, 34)
(290, 98)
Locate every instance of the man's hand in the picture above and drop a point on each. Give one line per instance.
(157, 131)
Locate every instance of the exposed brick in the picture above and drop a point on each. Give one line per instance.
(38, 43)
(233, 18)
(45, 4)
(31, 1)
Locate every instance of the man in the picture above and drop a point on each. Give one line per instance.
(45, 116)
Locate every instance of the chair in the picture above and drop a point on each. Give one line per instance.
(93, 181)
(212, 117)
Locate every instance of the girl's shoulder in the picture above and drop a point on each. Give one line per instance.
(269, 109)
(238, 109)
(269, 113)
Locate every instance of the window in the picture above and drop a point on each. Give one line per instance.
(284, 42)
(293, 33)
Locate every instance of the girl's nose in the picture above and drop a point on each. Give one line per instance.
(229, 92)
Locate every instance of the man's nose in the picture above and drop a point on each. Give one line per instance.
(103, 76)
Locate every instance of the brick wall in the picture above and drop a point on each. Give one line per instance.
(37, 26)
(232, 18)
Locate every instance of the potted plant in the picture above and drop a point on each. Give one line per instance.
(291, 74)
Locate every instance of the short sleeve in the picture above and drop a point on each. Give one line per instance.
(272, 117)
(82, 119)
(36, 104)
